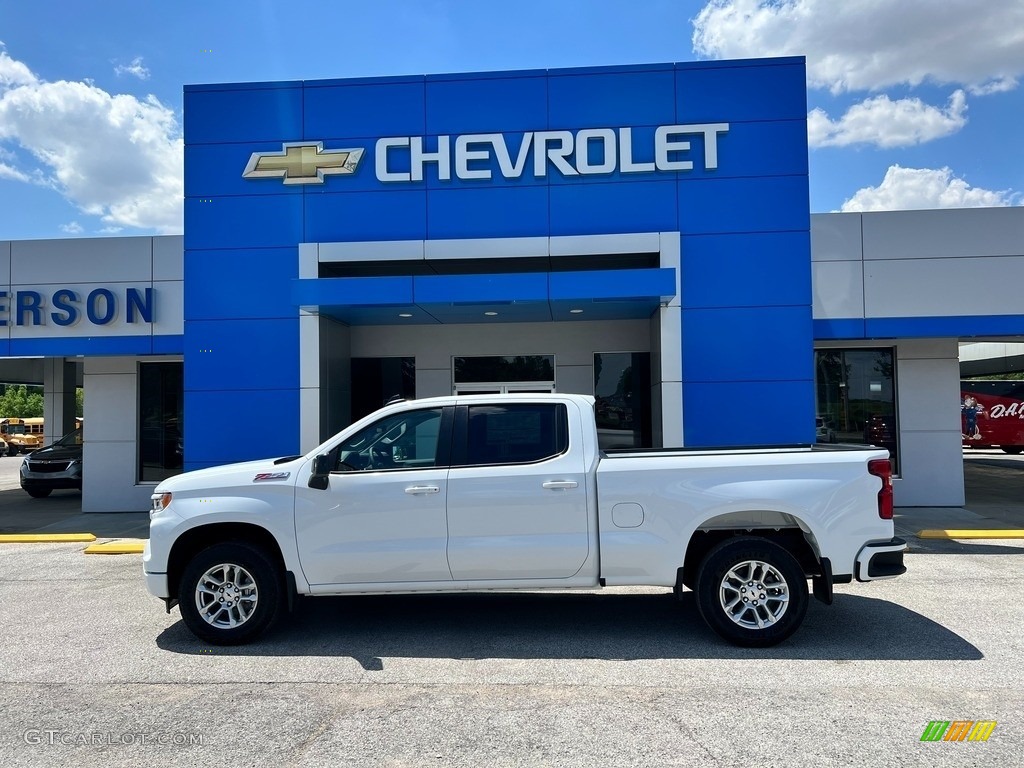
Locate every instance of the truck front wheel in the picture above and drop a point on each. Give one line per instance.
(230, 593)
(752, 592)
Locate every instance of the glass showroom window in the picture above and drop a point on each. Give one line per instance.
(622, 390)
(855, 394)
(161, 400)
(375, 380)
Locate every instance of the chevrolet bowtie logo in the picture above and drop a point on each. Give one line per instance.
(302, 163)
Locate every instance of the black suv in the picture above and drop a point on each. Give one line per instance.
(54, 466)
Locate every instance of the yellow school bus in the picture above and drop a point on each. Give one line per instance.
(22, 435)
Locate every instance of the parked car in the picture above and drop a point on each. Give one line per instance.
(58, 465)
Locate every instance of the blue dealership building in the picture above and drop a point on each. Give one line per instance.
(672, 198)
(641, 234)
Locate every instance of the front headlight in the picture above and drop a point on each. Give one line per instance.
(160, 501)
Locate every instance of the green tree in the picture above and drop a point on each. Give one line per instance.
(79, 402)
(19, 402)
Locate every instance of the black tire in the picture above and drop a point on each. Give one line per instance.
(750, 557)
(38, 493)
(1013, 450)
(12, 451)
(255, 574)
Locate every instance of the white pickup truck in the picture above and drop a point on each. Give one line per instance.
(490, 492)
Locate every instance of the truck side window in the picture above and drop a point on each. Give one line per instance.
(516, 434)
(403, 441)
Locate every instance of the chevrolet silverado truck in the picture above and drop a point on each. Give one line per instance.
(512, 492)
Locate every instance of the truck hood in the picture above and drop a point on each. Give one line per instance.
(234, 475)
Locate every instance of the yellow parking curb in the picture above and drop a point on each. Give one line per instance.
(121, 547)
(972, 534)
(45, 538)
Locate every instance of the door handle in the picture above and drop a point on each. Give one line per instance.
(414, 489)
(560, 485)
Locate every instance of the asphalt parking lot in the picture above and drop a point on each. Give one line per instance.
(93, 672)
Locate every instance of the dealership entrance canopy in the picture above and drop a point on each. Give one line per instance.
(640, 234)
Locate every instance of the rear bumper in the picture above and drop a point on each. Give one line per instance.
(881, 560)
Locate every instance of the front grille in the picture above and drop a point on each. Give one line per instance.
(48, 466)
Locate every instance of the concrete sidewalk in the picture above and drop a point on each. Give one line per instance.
(994, 488)
(61, 512)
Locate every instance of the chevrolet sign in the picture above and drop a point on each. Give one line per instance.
(468, 156)
(302, 163)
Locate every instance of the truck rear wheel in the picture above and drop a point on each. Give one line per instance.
(230, 593)
(752, 592)
(1013, 450)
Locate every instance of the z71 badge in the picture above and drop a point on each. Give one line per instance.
(265, 476)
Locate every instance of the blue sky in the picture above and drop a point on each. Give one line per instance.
(913, 103)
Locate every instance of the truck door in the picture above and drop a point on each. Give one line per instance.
(517, 496)
(382, 518)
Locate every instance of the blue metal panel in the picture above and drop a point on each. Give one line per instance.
(611, 99)
(480, 289)
(372, 110)
(85, 345)
(768, 269)
(483, 106)
(237, 284)
(756, 344)
(263, 114)
(395, 214)
(843, 328)
(487, 212)
(168, 345)
(229, 425)
(5, 347)
(657, 284)
(761, 149)
(597, 209)
(352, 291)
(256, 221)
(748, 413)
(758, 92)
(216, 169)
(243, 354)
(926, 327)
(767, 204)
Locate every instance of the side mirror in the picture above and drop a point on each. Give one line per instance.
(321, 472)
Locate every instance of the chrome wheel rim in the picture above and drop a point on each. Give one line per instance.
(754, 594)
(226, 596)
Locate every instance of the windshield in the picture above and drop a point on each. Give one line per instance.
(16, 429)
(71, 438)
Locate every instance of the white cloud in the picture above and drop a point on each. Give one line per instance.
(13, 72)
(110, 230)
(72, 228)
(114, 156)
(872, 44)
(135, 69)
(994, 86)
(921, 188)
(887, 123)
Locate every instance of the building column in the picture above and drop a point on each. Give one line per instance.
(59, 379)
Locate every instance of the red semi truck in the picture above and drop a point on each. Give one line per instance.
(992, 414)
